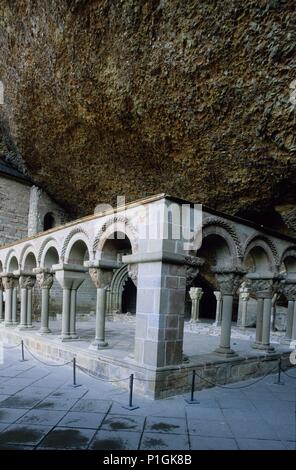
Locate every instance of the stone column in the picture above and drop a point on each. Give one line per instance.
(244, 298)
(161, 288)
(8, 281)
(26, 282)
(44, 280)
(218, 296)
(196, 294)
(289, 290)
(1, 301)
(14, 301)
(101, 279)
(228, 280)
(263, 287)
(70, 277)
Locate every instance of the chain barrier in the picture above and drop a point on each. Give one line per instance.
(12, 347)
(96, 377)
(46, 363)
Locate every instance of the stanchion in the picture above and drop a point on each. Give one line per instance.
(192, 401)
(23, 352)
(130, 402)
(278, 381)
(74, 375)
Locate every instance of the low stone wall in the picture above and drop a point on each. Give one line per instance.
(156, 384)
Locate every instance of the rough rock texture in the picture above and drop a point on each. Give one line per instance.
(134, 97)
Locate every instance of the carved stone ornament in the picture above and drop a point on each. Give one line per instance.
(193, 264)
(195, 293)
(44, 280)
(9, 282)
(229, 279)
(132, 270)
(27, 281)
(289, 290)
(262, 288)
(100, 277)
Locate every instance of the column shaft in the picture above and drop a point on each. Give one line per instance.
(266, 323)
(8, 307)
(14, 305)
(1, 306)
(224, 347)
(290, 319)
(259, 323)
(29, 309)
(66, 314)
(23, 314)
(294, 324)
(100, 319)
(73, 314)
(44, 311)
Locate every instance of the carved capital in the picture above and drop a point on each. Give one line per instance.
(132, 270)
(9, 282)
(289, 290)
(218, 295)
(193, 265)
(44, 280)
(229, 279)
(101, 277)
(262, 288)
(195, 293)
(27, 281)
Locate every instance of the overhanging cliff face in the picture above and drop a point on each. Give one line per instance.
(135, 97)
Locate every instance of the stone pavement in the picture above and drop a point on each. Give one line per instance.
(40, 410)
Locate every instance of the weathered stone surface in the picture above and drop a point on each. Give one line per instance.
(137, 97)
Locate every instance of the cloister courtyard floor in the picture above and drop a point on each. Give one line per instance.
(40, 410)
(199, 340)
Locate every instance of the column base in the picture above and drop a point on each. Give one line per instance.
(225, 352)
(15, 323)
(217, 323)
(97, 344)
(8, 324)
(263, 347)
(22, 327)
(44, 331)
(69, 338)
(30, 327)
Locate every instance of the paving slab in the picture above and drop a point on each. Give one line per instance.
(212, 443)
(41, 417)
(67, 438)
(209, 428)
(162, 441)
(76, 419)
(260, 444)
(92, 405)
(56, 403)
(123, 423)
(10, 415)
(155, 424)
(110, 440)
(23, 434)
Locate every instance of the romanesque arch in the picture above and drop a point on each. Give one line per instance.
(11, 261)
(76, 235)
(288, 259)
(116, 224)
(263, 251)
(27, 253)
(47, 244)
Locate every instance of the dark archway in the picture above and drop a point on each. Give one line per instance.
(129, 297)
(49, 221)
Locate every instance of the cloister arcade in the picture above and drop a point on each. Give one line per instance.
(151, 278)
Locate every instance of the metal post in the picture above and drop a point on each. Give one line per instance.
(23, 352)
(192, 401)
(74, 374)
(278, 381)
(130, 403)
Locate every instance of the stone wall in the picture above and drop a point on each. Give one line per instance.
(14, 209)
(40, 205)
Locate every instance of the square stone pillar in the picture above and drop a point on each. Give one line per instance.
(161, 288)
(70, 277)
